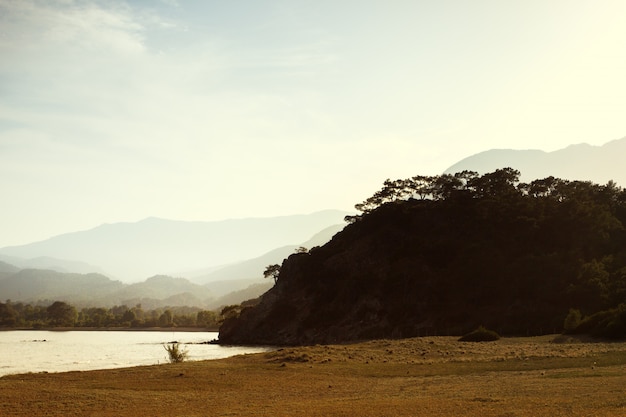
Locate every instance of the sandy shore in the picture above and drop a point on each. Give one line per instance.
(433, 376)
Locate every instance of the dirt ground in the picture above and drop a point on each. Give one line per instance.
(431, 376)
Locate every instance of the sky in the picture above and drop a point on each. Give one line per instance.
(114, 111)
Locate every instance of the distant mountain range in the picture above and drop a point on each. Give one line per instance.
(132, 252)
(82, 290)
(576, 162)
(231, 284)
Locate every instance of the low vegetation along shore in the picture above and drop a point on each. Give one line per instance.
(429, 376)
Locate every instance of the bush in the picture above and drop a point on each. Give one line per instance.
(175, 352)
(609, 323)
(572, 321)
(480, 335)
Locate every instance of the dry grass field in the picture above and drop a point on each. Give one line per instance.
(432, 376)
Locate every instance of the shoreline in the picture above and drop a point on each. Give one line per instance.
(114, 329)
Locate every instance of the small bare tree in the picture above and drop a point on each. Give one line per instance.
(175, 352)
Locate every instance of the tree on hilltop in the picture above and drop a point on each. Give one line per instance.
(272, 271)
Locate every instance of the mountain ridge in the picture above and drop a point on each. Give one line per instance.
(233, 285)
(580, 161)
(132, 251)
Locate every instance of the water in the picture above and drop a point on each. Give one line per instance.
(53, 351)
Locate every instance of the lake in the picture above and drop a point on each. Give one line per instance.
(23, 351)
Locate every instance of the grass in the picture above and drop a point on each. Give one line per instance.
(435, 376)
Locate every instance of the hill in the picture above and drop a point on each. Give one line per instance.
(95, 290)
(576, 162)
(37, 284)
(53, 264)
(445, 254)
(132, 252)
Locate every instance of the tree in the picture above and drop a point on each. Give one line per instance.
(175, 353)
(61, 314)
(498, 184)
(206, 318)
(272, 271)
(128, 316)
(8, 316)
(166, 319)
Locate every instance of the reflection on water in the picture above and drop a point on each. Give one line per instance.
(50, 351)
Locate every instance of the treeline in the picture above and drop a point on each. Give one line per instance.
(501, 184)
(62, 314)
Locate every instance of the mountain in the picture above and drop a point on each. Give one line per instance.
(46, 262)
(481, 253)
(7, 269)
(237, 297)
(253, 268)
(576, 162)
(95, 290)
(161, 287)
(229, 285)
(133, 251)
(36, 284)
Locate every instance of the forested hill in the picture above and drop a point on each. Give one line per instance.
(445, 254)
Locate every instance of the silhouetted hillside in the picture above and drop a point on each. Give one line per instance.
(445, 254)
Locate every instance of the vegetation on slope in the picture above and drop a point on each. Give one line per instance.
(445, 254)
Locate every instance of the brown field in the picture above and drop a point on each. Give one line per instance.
(432, 376)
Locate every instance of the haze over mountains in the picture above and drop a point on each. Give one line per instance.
(131, 252)
(598, 164)
(212, 289)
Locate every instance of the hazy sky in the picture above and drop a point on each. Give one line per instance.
(205, 110)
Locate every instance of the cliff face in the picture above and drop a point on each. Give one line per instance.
(409, 268)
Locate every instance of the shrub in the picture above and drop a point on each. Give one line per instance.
(572, 321)
(175, 352)
(480, 335)
(608, 323)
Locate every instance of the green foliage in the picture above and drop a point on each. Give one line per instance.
(61, 314)
(608, 323)
(175, 353)
(166, 319)
(572, 321)
(231, 311)
(8, 315)
(65, 315)
(481, 334)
